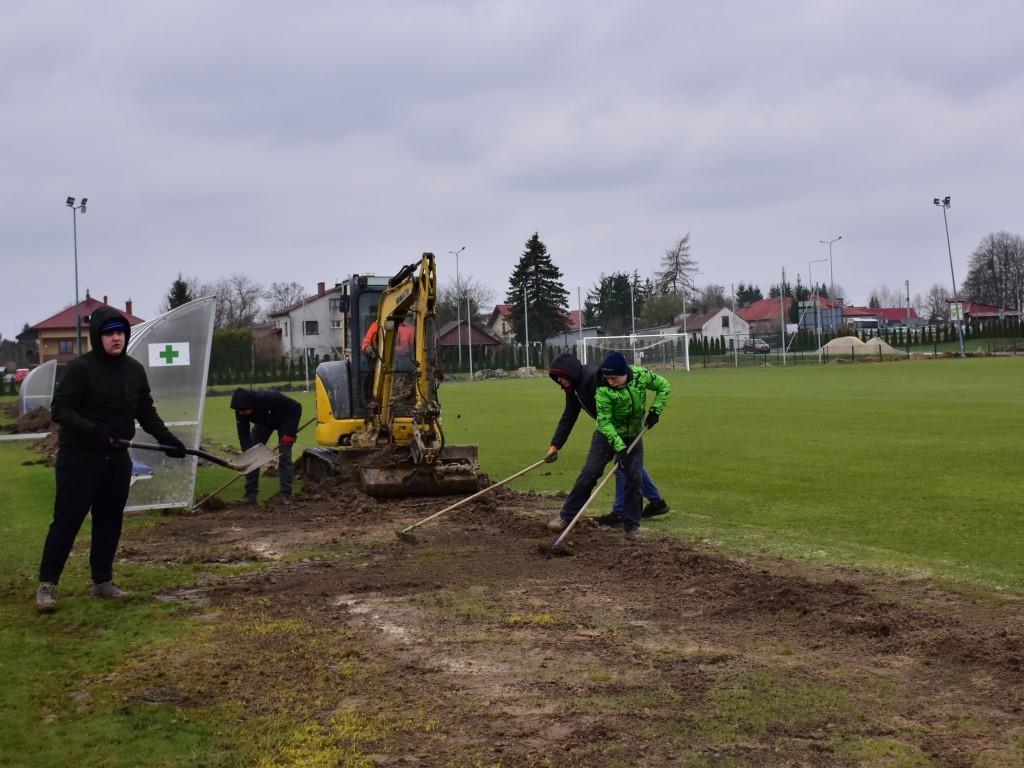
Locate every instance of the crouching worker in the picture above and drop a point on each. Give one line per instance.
(580, 383)
(621, 401)
(266, 412)
(96, 403)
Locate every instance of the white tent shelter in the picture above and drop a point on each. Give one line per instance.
(37, 388)
(174, 348)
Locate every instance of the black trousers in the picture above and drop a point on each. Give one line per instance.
(87, 482)
(597, 459)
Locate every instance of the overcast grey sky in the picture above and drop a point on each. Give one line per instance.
(306, 141)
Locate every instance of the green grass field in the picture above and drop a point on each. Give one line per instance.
(912, 467)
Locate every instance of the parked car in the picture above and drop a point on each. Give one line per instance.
(756, 346)
(20, 374)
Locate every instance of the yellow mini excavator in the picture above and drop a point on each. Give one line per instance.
(377, 413)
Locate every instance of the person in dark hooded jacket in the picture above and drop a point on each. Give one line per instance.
(580, 383)
(96, 403)
(266, 412)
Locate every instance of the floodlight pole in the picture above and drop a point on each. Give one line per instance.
(817, 308)
(458, 303)
(469, 337)
(944, 203)
(74, 228)
(526, 321)
(831, 281)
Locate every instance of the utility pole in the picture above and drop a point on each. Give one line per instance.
(458, 303)
(74, 228)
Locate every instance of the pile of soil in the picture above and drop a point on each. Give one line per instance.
(474, 646)
(36, 420)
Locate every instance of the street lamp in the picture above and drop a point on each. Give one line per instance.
(831, 282)
(944, 204)
(526, 320)
(74, 229)
(458, 305)
(817, 308)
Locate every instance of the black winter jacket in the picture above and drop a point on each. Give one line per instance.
(270, 409)
(99, 393)
(581, 395)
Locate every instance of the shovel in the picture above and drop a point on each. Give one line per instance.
(597, 490)
(254, 458)
(406, 533)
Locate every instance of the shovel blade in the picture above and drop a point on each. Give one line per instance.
(254, 458)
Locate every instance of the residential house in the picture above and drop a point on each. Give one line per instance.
(984, 312)
(714, 323)
(500, 322)
(57, 335)
(456, 332)
(764, 317)
(314, 324)
(875, 319)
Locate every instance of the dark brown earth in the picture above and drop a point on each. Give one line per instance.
(333, 642)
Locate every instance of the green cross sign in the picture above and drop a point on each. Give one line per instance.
(168, 354)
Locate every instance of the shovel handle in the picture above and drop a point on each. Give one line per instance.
(166, 448)
(450, 507)
(597, 490)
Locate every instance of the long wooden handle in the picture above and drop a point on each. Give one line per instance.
(475, 495)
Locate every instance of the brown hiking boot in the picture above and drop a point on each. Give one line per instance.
(46, 597)
(110, 589)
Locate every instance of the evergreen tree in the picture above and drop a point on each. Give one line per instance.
(748, 294)
(608, 304)
(786, 290)
(180, 293)
(546, 297)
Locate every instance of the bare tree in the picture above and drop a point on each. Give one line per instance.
(237, 300)
(711, 296)
(995, 273)
(677, 269)
(283, 295)
(479, 296)
(935, 308)
(885, 296)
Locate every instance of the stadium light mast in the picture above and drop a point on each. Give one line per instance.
(817, 306)
(74, 228)
(831, 280)
(458, 303)
(944, 203)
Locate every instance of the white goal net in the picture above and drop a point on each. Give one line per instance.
(655, 352)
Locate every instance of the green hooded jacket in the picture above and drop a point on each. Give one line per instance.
(620, 412)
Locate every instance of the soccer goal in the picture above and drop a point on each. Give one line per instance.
(656, 352)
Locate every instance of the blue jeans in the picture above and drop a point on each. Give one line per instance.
(598, 457)
(648, 489)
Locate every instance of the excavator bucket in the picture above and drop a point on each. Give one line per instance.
(456, 471)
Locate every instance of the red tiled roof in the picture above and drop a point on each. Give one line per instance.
(890, 314)
(765, 309)
(65, 319)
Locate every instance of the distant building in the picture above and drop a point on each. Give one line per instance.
(720, 322)
(57, 335)
(314, 325)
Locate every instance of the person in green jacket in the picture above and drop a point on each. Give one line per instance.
(621, 414)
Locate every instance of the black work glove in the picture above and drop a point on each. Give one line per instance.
(104, 435)
(652, 419)
(621, 457)
(173, 446)
(552, 455)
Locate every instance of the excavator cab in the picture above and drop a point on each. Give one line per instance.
(378, 411)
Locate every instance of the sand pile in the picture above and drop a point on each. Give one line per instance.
(876, 346)
(844, 345)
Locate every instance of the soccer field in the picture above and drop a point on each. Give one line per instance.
(906, 465)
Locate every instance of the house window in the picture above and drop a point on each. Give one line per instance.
(725, 322)
(335, 325)
(286, 329)
(311, 328)
(334, 305)
(65, 347)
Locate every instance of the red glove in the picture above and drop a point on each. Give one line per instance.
(287, 439)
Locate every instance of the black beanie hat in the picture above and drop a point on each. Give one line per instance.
(242, 398)
(614, 365)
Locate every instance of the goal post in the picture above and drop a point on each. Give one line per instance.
(667, 351)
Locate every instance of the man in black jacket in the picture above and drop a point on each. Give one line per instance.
(267, 411)
(97, 402)
(580, 383)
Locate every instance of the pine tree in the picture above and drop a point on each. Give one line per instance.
(179, 294)
(546, 297)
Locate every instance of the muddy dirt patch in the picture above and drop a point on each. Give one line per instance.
(471, 646)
